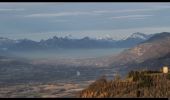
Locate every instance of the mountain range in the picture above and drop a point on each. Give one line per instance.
(68, 43)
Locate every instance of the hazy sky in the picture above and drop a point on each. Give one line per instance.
(43, 20)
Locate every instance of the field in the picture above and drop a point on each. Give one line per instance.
(41, 90)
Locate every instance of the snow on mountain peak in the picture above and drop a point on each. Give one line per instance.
(106, 37)
(139, 35)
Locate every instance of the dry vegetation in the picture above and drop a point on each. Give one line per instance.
(137, 84)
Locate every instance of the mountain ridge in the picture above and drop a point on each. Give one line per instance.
(66, 42)
(146, 53)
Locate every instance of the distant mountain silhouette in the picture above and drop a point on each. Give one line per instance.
(69, 43)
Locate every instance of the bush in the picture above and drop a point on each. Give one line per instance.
(168, 76)
(146, 81)
(117, 77)
(136, 75)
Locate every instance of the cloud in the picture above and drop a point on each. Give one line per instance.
(151, 8)
(58, 14)
(76, 13)
(162, 6)
(10, 9)
(95, 12)
(60, 20)
(131, 17)
(121, 11)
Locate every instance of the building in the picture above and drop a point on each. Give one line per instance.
(165, 69)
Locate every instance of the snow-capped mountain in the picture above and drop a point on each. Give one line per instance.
(106, 37)
(139, 35)
(68, 42)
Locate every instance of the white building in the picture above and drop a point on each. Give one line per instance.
(165, 69)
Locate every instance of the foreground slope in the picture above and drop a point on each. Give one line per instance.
(137, 84)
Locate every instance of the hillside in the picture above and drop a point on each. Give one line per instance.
(137, 84)
(146, 53)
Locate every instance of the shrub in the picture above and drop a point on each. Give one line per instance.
(146, 81)
(117, 77)
(168, 76)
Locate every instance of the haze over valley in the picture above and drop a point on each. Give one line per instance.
(58, 49)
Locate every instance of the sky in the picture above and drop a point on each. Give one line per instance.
(38, 21)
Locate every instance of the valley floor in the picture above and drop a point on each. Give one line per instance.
(39, 90)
